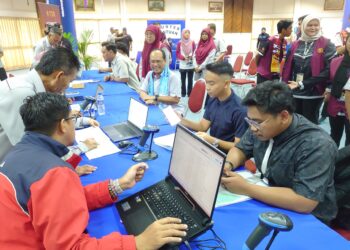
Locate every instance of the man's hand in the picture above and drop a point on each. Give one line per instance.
(293, 85)
(85, 169)
(205, 136)
(90, 143)
(94, 123)
(234, 183)
(107, 78)
(161, 232)
(150, 102)
(134, 174)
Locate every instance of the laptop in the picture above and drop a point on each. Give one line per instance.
(137, 118)
(188, 192)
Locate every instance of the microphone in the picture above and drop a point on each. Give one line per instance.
(147, 131)
(148, 154)
(268, 221)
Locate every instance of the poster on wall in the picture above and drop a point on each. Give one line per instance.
(171, 28)
(48, 13)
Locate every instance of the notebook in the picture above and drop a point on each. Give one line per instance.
(188, 192)
(137, 118)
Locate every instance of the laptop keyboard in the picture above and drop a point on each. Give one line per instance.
(163, 204)
(123, 131)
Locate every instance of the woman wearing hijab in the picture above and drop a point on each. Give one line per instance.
(339, 76)
(307, 68)
(152, 41)
(204, 53)
(184, 53)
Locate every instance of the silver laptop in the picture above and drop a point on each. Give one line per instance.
(137, 118)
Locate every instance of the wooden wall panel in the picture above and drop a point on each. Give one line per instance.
(247, 21)
(238, 16)
(228, 21)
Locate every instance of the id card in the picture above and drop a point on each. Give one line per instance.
(300, 77)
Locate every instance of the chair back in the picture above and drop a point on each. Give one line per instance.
(197, 96)
(248, 58)
(237, 66)
(252, 68)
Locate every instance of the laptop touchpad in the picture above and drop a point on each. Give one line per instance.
(138, 220)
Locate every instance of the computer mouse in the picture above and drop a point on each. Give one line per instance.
(124, 144)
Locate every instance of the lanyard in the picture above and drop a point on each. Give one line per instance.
(307, 49)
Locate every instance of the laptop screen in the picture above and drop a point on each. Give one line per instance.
(196, 166)
(137, 113)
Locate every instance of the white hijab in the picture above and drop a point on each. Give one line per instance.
(305, 37)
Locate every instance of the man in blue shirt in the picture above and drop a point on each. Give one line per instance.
(224, 114)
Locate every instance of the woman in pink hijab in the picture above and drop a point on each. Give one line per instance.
(204, 53)
(184, 53)
(152, 41)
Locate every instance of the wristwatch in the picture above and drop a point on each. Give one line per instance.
(156, 98)
(216, 142)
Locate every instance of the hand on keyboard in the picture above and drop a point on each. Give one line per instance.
(161, 232)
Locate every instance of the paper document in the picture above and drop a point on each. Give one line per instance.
(166, 141)
(171, 115)
(75, 107)
(105, 145)
(72, 83)
(225, 197)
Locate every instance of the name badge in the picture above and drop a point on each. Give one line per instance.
(300, 77)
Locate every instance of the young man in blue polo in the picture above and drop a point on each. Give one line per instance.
(224, 115)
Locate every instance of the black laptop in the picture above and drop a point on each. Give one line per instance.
(137, 118)
(188, 192)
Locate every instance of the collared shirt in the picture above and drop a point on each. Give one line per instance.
(226, 117)
(41, 47)
(11, 125)
(220, 46)
(174, 87)
(122, 67)
(302, 158)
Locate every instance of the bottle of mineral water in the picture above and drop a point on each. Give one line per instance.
(101, 110)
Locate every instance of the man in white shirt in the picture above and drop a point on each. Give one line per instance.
(219, 43)
(122, 67)
(160, 84)
(54, 72)
(52, 40)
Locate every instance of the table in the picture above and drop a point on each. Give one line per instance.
(232, 223)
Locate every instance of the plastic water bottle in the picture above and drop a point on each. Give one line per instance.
(101, 110)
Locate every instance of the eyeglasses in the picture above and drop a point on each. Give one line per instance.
(255, 124)
(73, 117)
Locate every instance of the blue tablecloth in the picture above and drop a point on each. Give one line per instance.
(232, 223)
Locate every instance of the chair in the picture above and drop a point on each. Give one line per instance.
(197, 97)
(242, 86)
(237, 66)
(248, 58)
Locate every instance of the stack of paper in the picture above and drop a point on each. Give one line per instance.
(166, 141)
(171, 115)
(225, 197)
(105, 146)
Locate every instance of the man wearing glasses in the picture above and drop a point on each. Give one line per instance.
(44, 205)
(295, 156)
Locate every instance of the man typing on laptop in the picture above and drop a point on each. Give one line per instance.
(43, 202)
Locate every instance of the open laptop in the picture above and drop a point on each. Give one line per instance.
(188, 192)
(137, 118)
